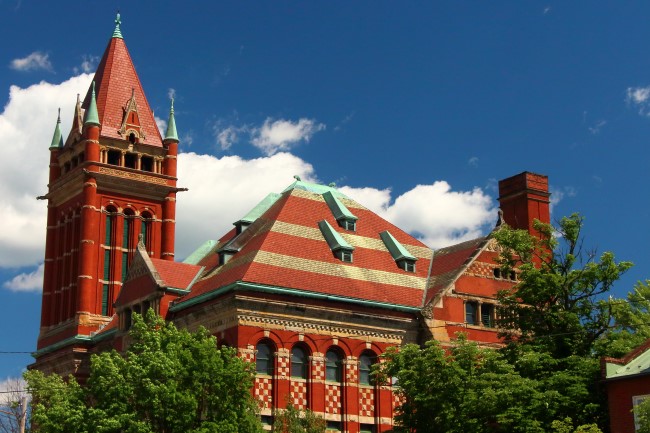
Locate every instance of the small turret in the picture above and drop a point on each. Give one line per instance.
(57, 139)
(171, 125)
(92, 117)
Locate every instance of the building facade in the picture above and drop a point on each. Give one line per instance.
(310, 285)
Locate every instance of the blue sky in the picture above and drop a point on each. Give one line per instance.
(415, 110)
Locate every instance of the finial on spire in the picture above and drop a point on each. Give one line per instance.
(171, 133)
(297, 177)
(117, 33)
(57, 138)
(92, 117)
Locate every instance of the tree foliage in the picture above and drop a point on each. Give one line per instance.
(167, 381)
(559, 302)
(292, 420)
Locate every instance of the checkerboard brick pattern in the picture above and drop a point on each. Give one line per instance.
(318, 368)
(283, 365)
(264, 391)
(351, 370)
(332, 399)
(366, 402)
(299, 394)
(397, 400)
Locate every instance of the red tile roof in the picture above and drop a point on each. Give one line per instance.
(175, 274)
(115, 82)
(285, 248)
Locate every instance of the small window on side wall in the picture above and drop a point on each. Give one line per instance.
(299, 363)
(470, 312)
(366, 360)
(333, 367)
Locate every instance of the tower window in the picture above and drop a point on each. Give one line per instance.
(132, 138)
(146, 163)
(129, 160)
(114, 157)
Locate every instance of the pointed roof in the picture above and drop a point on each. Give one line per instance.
(285, 250)
(57, 139)
(116, 81)
(92, 118)
(171, 125)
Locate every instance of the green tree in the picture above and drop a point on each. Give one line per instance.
(559, 304)
(292, 420)
(642, 415)
(631, 326)
(462, 388)
(167, 381)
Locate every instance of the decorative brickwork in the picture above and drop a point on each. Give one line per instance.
(366, 401)
(318, 367)
(299, 394)
(283, 364)
(332, 399)
(264, 391)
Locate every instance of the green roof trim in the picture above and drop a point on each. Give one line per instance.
(260, 208)
(92, 117)
(333, 238)
(195, 257)
(314, 187)
(638, 365)
(171, 125)
(396, 249)
(57, 139)
(240, 285)
(338, 209)
(77, 339)
(117, 33)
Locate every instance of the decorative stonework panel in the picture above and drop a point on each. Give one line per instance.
(332, 399)
(264, 391)
(366, 401)
(318, 368)
(299, 394)
(351, 370)
(283, 363)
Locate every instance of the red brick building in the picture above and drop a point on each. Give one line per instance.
(310, 285)
(627, 381)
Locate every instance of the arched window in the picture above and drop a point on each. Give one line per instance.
(299, 363)
(145, 230)
(333, 368)
(109, 228)
(127, 241)
(366, 360)
(264, 359)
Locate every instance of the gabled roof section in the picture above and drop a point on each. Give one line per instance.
(449, 263)
(116, 81)
(338, 209)
(175, 275)
(396, 249)
(200, 252)
(634, 363)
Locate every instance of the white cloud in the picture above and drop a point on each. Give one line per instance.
(171, 93)
(282, 135)
(425, 211)
(597, 127)
(226, 137)
(27, 123)
(222, 190)
(161, 124)
(27, 281)
(559, 194)
(35, 60)
(473, 161)
(639, 97)
(88, 65)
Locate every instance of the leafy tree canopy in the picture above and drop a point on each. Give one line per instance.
(292, 420)
(167, 381)
(559, 304)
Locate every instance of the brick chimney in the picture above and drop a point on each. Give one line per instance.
(523, 198)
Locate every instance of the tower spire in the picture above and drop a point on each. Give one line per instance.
(92, 118)
(171, 125)
(117, 33)
(57, 139)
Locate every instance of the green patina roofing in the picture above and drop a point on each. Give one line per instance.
(92, 117)
(117, 33)
(314, 187)
(200, 252)
(396, 249)
(171, 125)
(333, 238)
(638, 365)
(338, 209)
(57, 139)
(261, 207)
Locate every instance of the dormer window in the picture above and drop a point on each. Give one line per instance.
(341, 249)
(344, 217)
(403, 259)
